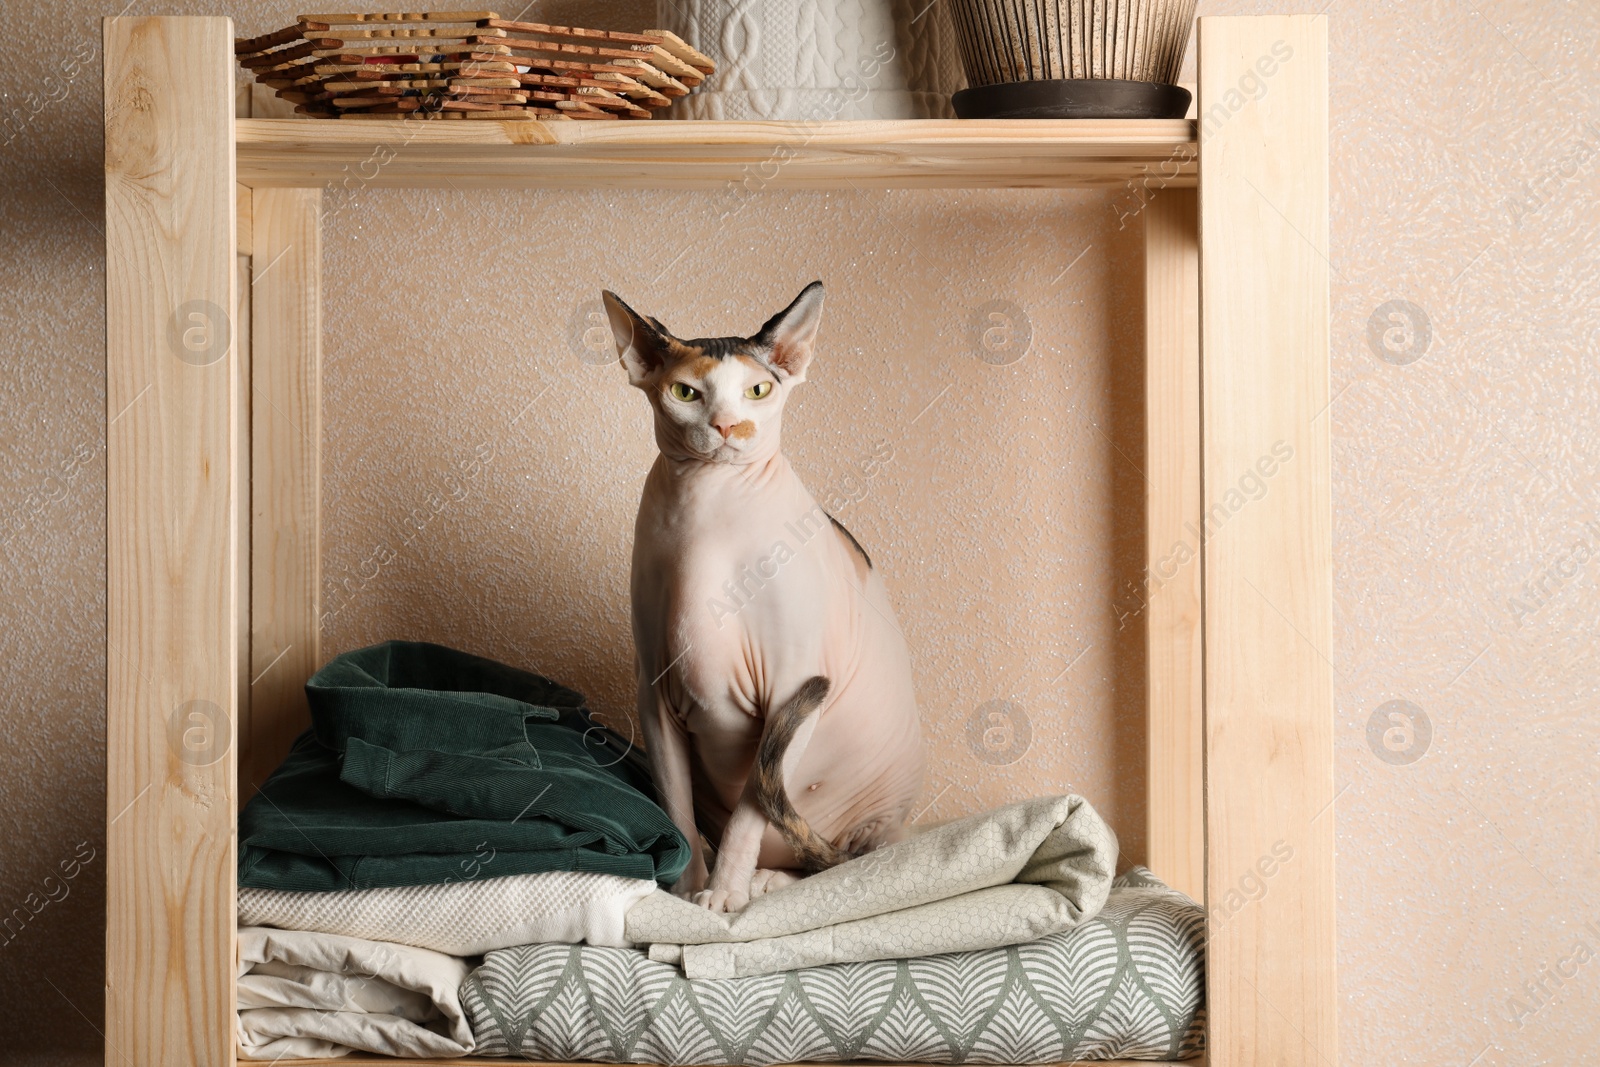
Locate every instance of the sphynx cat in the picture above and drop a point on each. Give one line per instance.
(775, 693)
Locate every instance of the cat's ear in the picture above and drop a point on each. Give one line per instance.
(790, 334)
(641, 342)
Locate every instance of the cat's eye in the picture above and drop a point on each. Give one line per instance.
(684, 392)
(758, 390)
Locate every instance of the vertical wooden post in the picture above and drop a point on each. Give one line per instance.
(286, 465)
(1272, 998)
(172, 444)
(1175, 726)
(242, 329)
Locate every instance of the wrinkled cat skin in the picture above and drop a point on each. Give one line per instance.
(775, 692)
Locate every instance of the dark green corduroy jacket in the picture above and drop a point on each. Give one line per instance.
(426, 765)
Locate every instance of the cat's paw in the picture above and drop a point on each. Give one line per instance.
(765, 881)
(721, 900)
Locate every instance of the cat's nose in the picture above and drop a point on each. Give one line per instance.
(724, 424)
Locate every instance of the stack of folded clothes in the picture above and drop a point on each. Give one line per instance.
(441, 806)
(1001, 938)
(456, 859)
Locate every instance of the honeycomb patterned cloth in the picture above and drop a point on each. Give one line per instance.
(1037, 867)
(461, 918)
(1126, 984)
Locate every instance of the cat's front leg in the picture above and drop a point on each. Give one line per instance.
(786, 733)
(667, 748)
(740, 848)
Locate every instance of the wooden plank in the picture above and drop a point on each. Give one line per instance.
(1272, 998)
(244, 230)
(241, 501)
(738, 158)
(340, 18)
(286, 471)
(1175, 801)
(685, 51)
(171, 549)
(654, 37)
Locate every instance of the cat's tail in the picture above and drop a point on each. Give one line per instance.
(815, 852)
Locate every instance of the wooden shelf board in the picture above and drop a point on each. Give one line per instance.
(737, 156)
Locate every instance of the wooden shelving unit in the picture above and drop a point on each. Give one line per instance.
(213, 364)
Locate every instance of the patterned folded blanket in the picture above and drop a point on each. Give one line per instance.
(1125, 984)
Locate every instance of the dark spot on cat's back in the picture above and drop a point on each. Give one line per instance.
(848, 536)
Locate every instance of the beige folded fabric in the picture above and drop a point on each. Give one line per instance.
(465, 918)
(311, 995)
(1008, 876)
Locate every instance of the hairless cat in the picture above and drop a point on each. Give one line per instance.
(775, 692)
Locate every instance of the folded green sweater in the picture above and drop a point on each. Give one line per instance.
(426, 765)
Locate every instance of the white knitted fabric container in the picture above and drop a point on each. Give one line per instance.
(815, 60)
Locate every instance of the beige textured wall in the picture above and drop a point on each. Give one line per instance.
(470, 421)
(1466, 163)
